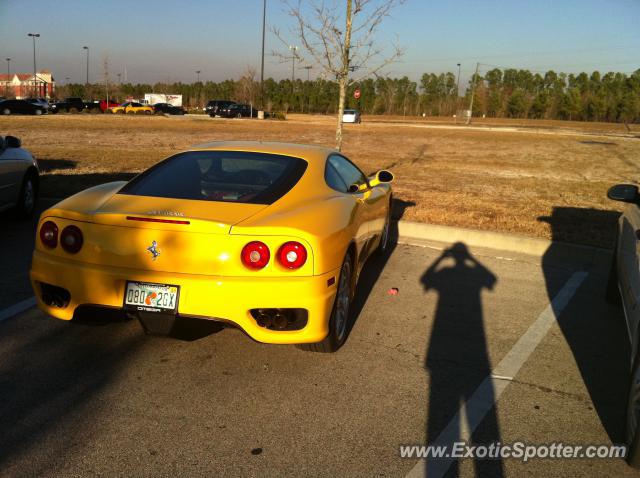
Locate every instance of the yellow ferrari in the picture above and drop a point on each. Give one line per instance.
(269, 237)
(130, 108)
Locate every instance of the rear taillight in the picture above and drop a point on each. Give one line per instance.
(255, 255)
(292, 255)
(71, 239)
(49, 234)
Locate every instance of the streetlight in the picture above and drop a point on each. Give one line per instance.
(458, 83)
(264, 22)
(6, 86)
(198, 77)
(35, 81)
(308, 68)
(294, 50)
(119, 75)
(87, 48)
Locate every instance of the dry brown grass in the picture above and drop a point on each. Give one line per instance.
(495, 180)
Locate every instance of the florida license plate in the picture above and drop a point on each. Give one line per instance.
(144, 296)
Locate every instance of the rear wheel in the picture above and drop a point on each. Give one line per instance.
(38, 112)
(6, 111)
(239, 115)
(27, 200)
(339, 321)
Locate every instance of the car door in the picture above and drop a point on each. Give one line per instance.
(365, 196)
(629, 266)
(11, 170)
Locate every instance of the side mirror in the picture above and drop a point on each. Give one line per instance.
(382, 176)
(12, 142)
(623, 193)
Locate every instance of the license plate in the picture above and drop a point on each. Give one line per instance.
(143, 296)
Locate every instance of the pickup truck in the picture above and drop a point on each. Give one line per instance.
(74, 105)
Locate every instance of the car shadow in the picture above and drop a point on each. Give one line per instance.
(376, 264)
(457, 360)
(594, 330)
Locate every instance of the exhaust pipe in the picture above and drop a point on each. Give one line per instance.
(265, 318)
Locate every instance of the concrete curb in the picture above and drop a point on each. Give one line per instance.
(417, 233)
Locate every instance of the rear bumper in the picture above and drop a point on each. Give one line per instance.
(216, 297)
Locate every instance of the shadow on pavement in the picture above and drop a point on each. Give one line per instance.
(594, 330)
(457, 359)
(376, 264)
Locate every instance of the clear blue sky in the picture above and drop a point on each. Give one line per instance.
(163, 40)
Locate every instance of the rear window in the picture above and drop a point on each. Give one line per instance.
(225, 176)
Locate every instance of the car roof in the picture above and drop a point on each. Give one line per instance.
(310, 153)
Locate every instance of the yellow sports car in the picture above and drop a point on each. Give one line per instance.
(130, 108)
(270, 237)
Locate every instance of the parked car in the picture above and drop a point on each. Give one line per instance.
(40, 102)
(104, 105)
(18, 177)
(623, 288)
(351, 116)
(68, 105)
(9, 107)
(265, 236)
(131, 107)
(166, 108)
(238, 111)
(214, 107)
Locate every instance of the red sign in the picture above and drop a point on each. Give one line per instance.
(356, 94)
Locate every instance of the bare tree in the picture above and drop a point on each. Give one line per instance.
(247, 87)
(338, 52)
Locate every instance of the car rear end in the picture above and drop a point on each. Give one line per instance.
(161, 258)
(350, 116)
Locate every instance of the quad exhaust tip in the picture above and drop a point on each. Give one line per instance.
(280, 319)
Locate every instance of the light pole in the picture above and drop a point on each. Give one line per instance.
(293, 49)
(87, 48)
(6, 86)
(119, 75)
(35, 81)
(458, 82)
(308, 68)
(198, 75)
(264, 22)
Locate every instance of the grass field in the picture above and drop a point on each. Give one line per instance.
(546, 179)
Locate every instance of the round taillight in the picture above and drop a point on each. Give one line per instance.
(255, 255)
(292, 255)
(71, 239)
(49, 234)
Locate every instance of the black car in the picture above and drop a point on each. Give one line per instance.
(21, 107)
(166, 108)
(75, 105)
(238, 111)
(214, 107)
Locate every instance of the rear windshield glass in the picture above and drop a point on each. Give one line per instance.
(226, 176)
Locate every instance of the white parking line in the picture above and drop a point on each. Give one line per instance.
(471, 413)
(16, 309)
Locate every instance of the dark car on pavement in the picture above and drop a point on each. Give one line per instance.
(214, 107)
(75, 105)
(166, 108)
(24, 107)
(238, 111)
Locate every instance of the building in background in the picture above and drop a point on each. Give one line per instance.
(22, 85)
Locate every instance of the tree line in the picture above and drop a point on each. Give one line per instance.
(499, 93)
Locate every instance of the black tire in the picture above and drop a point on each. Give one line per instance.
(340, 314)
(612, 294)
(27, 199)
(74, 111)
(37, 112)
(130, 112)
(239, 115)
(633, 417)
(147, 112)
(6, 111)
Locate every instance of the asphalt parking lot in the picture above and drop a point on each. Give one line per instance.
(104, 399)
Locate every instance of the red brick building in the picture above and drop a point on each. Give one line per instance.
(22, 85)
